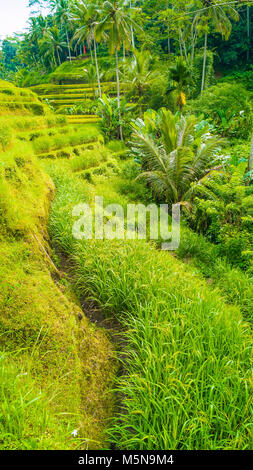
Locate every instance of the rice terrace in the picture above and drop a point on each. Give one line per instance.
(126, 235)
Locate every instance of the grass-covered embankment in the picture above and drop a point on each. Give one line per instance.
(56, 368)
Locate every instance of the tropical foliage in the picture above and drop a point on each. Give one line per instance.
(124, 340)
(223, 212)
(174, 151)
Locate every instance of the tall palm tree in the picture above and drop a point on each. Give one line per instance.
(52, 44)
(86, 14)
(174, 151)
(217, 13)
(131, 28)
(62, 18)
(248, 30)
(37, 28)
(116, 21)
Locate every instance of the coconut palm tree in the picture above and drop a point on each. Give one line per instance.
(62, 18)
(131, 28)
(216, 13)
(116, 21)
(86, 14)
(37, 28)
(52, 44)
(174, 152)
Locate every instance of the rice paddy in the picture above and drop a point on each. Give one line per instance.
(184, 319)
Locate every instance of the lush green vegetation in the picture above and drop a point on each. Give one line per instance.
(45, 376)
(116, 342)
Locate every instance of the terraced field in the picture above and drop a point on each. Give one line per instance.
(21, 101)
(54, 364)
(187, 342)
(63, 92)
(62, 97)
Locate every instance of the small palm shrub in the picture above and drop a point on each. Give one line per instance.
(174, 151)
(181, 77)
(140, 77)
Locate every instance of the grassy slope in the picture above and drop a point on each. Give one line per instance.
(188, 379)
(55, 369)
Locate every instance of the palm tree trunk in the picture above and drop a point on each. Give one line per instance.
(204, 64)
(183, 44)
(132, 38)
(248, 33)
(91, 55)
(67, 34)
(180, 46)
(96, 61)
(132, 32)
(193, 41)
(58, 55)
(118, 90)
(250, 161)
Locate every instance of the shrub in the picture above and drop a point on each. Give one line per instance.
(228, 107)
(110, 124)
(223, 212)
(174, 151)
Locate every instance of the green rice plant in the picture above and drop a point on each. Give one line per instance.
(42, 145)
(26, 418)
(68, 101)
(25, 123)
(181, 341)
(89, 159)
(72, 136)
(5, 136)
(64, 96)
(187, 354)
(43, 392)
(22, 107)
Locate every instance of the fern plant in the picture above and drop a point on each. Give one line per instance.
(223, 211)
